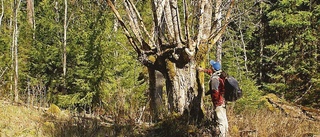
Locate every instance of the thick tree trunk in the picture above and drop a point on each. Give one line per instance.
(155, 91)
(175, 52)
(183, 90)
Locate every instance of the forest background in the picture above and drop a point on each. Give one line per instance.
(74, 54)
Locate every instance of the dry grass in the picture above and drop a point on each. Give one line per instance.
(271, 124)
(23, 121)
(19, 121)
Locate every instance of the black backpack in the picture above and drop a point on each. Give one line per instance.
(232, 90)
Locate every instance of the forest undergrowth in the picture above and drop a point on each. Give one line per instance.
(21, 120)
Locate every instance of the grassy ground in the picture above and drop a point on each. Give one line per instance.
(265, 123)
(19, 121)
(23, 121)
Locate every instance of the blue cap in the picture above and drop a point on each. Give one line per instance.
(215, 65)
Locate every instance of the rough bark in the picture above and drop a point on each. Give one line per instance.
(155, 91)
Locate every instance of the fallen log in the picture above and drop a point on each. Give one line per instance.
(292, 110)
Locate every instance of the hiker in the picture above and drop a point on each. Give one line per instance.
(216, 90)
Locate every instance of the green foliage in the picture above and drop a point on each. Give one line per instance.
(288, 52)
(250, 99)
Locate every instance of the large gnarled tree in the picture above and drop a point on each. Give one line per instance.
(183, 32)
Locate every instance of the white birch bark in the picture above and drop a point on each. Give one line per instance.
(15, 48)
(168, 18)
(218, 19)
(65, 27)
(2, 12)
(30, 11)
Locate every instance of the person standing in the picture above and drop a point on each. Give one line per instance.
(216, 90)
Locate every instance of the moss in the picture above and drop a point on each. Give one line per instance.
(54, 110)
(48, 126)
(152, 58)
(201, 74)
(201, 53)
(200, 59)
(234, 129)
(273, 98)
(268, 105)
(171, 69)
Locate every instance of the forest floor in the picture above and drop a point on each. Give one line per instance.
(20, 120)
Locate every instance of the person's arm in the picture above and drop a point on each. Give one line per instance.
(214, 85)
(208, 71)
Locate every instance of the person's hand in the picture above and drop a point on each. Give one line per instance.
(200, 69)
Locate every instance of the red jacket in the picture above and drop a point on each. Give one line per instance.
(216, 89)
(217, 93)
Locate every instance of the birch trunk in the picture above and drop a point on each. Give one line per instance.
(30, 16)
(30, 11)
(261, 43)
(218, 18)
(115, 22)
(2, 12)
(15, 48)
(65, 38)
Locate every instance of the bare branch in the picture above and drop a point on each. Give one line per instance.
(3, 72)
(204, 21)
(133, 22)
(216, 36)
(186, 14)
(176, 22)
(142, 24)
(2, 12)
(126, 31)
(168, 19)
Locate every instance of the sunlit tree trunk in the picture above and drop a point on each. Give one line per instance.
(244, 46)
(30, 11)
(65, 27)
(2, 12)
(218, 18)
(115, 22)
(30, 15)
(15, 48)
(261, 43)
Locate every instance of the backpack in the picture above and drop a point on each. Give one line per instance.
(232, 90)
